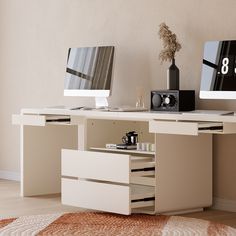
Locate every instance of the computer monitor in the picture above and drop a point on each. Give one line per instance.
(89, 73)
(218, 80)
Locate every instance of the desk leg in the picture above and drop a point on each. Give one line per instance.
(82, 133)
(40, 157)
(183, 172)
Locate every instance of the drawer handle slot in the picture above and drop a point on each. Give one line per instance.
(59, 120)
(143, 169)
(144, 199)
(211, 128)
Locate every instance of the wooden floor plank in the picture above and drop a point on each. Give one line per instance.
(12, 205)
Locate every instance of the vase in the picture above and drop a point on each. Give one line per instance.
(173, 77)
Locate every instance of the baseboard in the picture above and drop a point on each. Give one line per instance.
(183, 211)
(9, 175)
(224, 204)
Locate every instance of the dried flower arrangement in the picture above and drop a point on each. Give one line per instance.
(170, 43)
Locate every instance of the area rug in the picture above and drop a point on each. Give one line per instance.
(94, 224)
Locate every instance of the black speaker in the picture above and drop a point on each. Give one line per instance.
(173, 100)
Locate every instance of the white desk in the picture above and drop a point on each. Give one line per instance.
(114, 182)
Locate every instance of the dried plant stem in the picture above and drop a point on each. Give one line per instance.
(170, 43)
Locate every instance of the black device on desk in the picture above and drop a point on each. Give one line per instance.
(173, 100)
(129, 141)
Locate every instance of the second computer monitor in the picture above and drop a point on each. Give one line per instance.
(89, 72)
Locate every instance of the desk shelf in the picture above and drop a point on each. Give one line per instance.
(123, 151)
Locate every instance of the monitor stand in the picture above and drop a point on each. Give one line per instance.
(101, 102)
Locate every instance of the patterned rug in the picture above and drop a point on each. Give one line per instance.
(94, 224)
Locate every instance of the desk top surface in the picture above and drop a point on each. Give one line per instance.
(135, 116)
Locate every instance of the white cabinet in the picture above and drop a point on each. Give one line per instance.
(111, 182)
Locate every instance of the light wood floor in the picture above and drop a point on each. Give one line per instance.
(12, 205)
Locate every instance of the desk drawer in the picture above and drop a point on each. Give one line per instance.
(106, 197)
(184, 128)
(107, 167)
(36, 120)
(40, 120)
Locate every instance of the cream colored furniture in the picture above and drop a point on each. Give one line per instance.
(64, 151)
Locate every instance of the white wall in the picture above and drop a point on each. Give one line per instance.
(35, 36)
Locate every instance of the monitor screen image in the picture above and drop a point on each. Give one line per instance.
(89, 71)
(218, 79)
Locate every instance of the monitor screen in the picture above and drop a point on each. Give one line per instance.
(89, 71)
(218, 80)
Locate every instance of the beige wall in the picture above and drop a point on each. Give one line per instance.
(35, 35)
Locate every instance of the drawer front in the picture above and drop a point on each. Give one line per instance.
(173, 127)
(41, 120)
(184, 128)
(106, 197)
(35, 120)
(97, 196)
(96, 165)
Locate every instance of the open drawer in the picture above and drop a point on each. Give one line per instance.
(190, 127)
(106, 196)
(113, 167)
(40, 120)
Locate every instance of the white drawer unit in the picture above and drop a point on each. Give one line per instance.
(190, 127)
(40, 120)
(112, 182)
(106, 196)
(114, 167)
